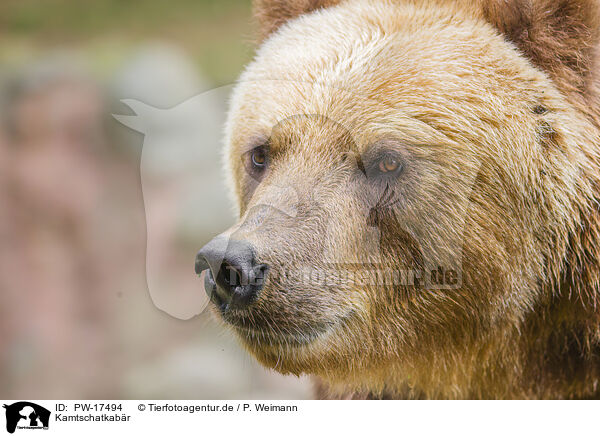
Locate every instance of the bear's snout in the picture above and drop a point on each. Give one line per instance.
(234, 277)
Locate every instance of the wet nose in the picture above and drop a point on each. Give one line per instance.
(234, 278)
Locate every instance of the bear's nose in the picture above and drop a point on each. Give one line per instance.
(234, 277)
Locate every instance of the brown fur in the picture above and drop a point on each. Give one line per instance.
(493, 106)
(558, 36)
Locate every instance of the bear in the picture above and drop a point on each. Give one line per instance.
(418, 192)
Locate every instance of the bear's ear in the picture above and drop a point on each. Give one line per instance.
(558, 36)
(271, 14)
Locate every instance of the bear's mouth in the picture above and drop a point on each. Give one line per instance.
(262, 333)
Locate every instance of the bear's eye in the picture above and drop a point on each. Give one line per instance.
(258, 156)
(255, 161)
(389, 165)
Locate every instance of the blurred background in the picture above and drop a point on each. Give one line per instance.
(76, 317)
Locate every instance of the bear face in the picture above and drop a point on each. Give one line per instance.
(409, 184)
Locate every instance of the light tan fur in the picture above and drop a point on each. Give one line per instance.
(494, 106)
